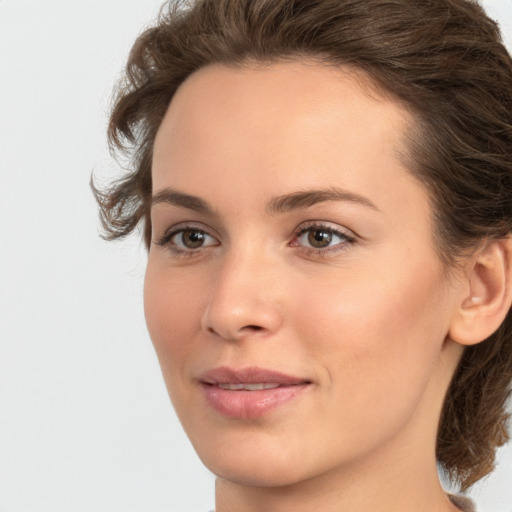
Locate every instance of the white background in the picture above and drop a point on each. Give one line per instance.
(85, 422)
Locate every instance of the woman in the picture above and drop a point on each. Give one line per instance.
(325, 188)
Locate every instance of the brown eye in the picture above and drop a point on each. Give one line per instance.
(320, 238)
(190, 239)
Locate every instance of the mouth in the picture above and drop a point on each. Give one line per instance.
(248, 387)
(249, 392)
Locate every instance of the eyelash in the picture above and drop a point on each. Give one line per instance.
(346, 239)
(166, 239)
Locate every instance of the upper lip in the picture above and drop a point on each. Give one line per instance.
(249, 375)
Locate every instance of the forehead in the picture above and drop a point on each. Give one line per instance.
(296, 94)
(296, 84)
(296, 123)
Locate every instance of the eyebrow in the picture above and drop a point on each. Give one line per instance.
(307, 198)
(280, 204)
(182, 200)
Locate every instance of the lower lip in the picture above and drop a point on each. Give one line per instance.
(250, 404)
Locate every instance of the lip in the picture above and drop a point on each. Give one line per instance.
(244, 404)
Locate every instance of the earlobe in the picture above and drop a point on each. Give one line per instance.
(488, 293)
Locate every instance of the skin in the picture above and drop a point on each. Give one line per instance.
(365, 319)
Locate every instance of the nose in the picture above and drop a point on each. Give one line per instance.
(245, 299)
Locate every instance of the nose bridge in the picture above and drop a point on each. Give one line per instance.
(244, 298)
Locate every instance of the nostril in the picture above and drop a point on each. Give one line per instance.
(253, 327)
(246, 329)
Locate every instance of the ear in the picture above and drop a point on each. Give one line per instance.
(487, 295)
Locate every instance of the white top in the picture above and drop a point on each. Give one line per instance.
(465, 504)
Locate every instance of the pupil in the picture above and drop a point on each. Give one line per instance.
(192, 239)
(320, 238)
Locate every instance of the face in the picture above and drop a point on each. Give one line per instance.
(293, 293)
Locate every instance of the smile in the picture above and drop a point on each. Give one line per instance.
(248, 387)
(250, 392)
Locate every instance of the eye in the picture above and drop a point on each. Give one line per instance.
(322, 238)
(318, 238)
(188, 239)
(191, 239)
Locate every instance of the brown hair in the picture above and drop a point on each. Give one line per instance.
(443, 58)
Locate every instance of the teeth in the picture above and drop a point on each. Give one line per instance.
(231, 387)
(248, 387)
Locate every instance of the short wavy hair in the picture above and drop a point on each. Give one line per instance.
(444, 59)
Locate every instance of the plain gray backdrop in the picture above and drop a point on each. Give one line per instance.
(85, 422)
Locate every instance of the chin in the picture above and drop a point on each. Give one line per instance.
(254, 461)
(256, 473)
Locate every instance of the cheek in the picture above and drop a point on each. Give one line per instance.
(172, 310)
(378, 334)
